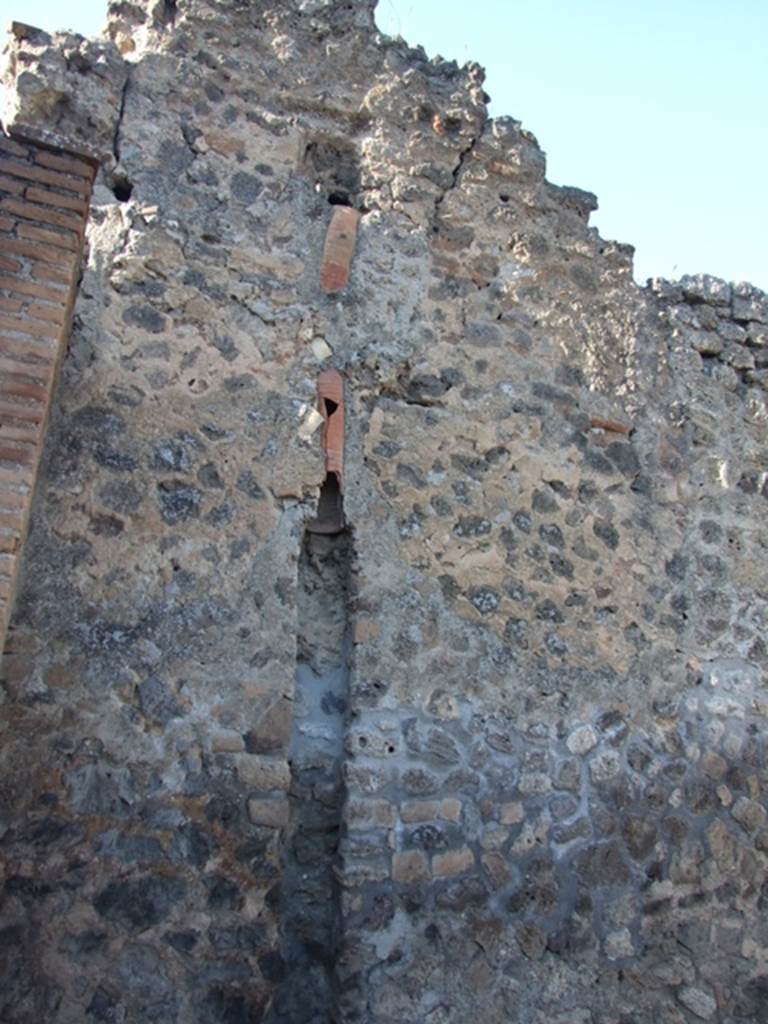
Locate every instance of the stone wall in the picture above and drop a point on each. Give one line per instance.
(498, 751)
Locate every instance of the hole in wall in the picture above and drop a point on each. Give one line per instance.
(166, 13)
(122, 187)
(330, 508)
(334, 166)
(451, 124)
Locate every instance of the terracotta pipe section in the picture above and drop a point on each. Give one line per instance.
(44, 198)
(330, 509)
(330, 393)
(339, 248)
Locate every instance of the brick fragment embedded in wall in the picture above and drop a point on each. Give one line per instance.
(339, 248)
(44, 197)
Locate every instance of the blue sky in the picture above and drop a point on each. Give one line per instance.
(659, 107)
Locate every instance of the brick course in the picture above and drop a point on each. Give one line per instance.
(44, 206)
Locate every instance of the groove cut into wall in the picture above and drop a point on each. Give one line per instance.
(310, 893)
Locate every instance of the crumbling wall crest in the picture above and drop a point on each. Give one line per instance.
(62, 88)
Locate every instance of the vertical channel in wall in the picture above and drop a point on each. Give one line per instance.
(310, 895)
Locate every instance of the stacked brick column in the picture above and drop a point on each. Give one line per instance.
(44, 198)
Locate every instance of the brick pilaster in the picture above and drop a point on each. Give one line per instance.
(44, 196)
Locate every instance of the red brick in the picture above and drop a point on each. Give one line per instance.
(43, 210)
(27, 413)
(49, 198)
(11, 520)
(12, 384)
(48, 254)
(42, 214)
(31, 371)
(66, 240)
(19, 396)
(11, 537)
(51, 314)
(43, 351)
(30, 173)
(68, 164)
(12, 501)
(11, 146)
(22, 326)
(40, 291)
(23, 456)
(18, 476)
(19, 431)
(46, 272)
(9, 542)
(12, 185)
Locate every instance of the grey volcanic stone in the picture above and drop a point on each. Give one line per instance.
(178, 501)
(137, 905)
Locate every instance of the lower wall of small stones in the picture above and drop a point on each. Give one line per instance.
(537, 868)
(513, 858)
